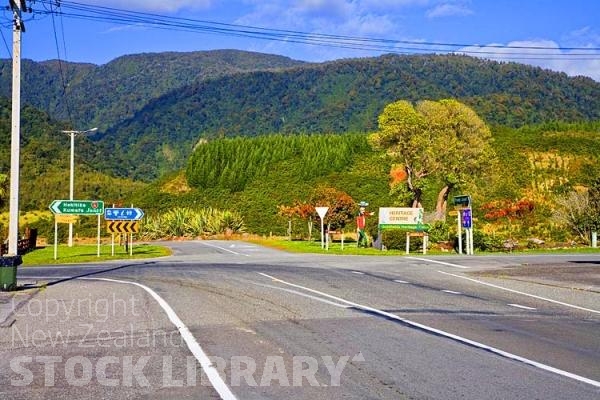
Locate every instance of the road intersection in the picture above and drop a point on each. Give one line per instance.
(234, 320)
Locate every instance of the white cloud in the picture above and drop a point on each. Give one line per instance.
(152, 5)
(543, 53)
(324, 8)
(583, 37)
(337, 17)
(449, 10)
(391, 5)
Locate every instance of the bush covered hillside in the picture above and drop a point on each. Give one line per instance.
(537, 167)
(264, 137)
(45, 158)
(338, 97)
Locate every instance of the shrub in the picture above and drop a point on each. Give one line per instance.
(395, 239)
(187, 222)
(439, 232)
(481, 242)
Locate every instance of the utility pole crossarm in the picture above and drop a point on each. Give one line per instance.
(18, 7)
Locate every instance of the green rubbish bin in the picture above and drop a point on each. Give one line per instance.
(8, 272)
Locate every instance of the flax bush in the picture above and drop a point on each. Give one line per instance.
(187, 222)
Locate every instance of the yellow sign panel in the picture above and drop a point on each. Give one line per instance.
(123, 226)
(453, 213)
(66, 218)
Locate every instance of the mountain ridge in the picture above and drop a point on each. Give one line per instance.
(152, 108)
(342, 96)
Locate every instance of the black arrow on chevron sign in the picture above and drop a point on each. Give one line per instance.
(123, 227)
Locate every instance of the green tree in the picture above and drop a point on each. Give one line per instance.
(594, 203)
(4, 182)
(442, 143)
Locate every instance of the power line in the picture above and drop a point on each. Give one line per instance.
(60, 69)
(6, 44)
(71, 9)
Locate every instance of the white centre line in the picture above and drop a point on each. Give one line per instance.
(211, 371)
(445, 334)
(451, 292)
(399, 281)
(308, 296)
(522, 293)
(438, 262)
(523, 307)
(224, 249)
(358, 272)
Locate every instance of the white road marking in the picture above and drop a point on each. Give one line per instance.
(399, 281)
(446, 334)
(211, 372)
(523, 307)
(358, 272)
(451, 292)
(439, 262)
(522, 293)
(24, 278)
(302, 294)
(224, 249)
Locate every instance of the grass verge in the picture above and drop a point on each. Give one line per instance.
(303, 246)
(83, 253)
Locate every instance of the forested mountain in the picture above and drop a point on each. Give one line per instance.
(44, 159)
(254, 175)
(340, 96)
(104, 95)
(152, 109)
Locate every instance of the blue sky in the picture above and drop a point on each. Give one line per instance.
(554, 25)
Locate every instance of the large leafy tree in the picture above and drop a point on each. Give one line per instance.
(442, 143)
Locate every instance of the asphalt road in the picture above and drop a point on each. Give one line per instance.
(233, 320)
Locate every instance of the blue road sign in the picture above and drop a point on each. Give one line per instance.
(467, 219)
(123, 214)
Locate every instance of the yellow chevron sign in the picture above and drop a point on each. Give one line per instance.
(123, 226)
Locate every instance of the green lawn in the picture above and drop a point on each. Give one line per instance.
(302, 246)
(82, 253)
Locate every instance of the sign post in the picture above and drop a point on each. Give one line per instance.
(406, 218)
(123, 214)
(123, 221)
(459, 232)
(75, 207)
(462, 204)
(322, 211)
(401, 217)
(467, 223)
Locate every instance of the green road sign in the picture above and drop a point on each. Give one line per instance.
(77, 207)
(462, 201)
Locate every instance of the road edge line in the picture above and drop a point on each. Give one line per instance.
(211, 372)
(448, 335)
(522, 293)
